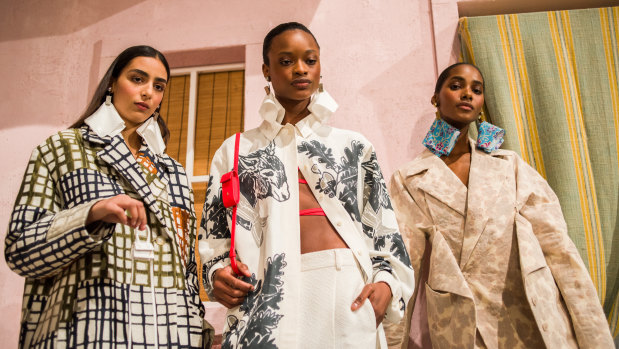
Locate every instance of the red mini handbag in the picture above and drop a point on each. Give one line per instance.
(230, 194)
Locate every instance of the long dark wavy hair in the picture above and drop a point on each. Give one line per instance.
(112, 74)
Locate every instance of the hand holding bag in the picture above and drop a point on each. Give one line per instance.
(230, 193)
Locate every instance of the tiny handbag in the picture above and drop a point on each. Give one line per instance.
(230, 193)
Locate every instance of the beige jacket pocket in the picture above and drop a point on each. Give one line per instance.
(440, 312)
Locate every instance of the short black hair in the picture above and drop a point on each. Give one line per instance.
(445, 73)
(266, 45)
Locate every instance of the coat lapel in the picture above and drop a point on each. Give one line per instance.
(448, 277)
(440, 182)
(487, 176)
(117, 155)
(159, 182)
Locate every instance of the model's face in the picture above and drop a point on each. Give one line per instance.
(138, 91)
(294, 65)
(461, 97)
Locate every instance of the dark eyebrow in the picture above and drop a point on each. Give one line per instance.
(289, 53)
(459, 78)
(141, 72)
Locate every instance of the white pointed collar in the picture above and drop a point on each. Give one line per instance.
(106, 122)
(151, 134)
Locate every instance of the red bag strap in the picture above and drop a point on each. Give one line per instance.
(235, 268)
(236, 152)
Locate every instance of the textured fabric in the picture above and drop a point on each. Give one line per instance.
(343, 174)
(78, 284)
(552, 81)
(441, 137)
(326, 318)
(503, 272)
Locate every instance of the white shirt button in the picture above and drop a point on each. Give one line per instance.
(339, 224)
(160, 241)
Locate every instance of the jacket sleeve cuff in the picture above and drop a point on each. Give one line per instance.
(213, 269)
(75, 219)
(394, 311)
(211, 274)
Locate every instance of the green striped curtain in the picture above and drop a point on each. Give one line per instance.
(552, 82)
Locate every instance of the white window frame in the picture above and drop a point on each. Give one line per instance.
(191, 117)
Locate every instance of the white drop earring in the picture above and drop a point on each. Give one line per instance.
(267, 88)
(108, 96)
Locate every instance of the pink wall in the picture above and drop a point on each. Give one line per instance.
(379, 61)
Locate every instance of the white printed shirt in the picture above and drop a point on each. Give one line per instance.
(341, 169)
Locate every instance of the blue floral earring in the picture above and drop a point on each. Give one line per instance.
(441, 137)
(489, 136)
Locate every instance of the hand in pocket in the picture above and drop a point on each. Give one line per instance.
(379, 295)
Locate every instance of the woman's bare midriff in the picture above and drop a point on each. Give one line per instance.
(317, 233)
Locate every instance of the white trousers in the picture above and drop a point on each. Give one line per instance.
(331, 280)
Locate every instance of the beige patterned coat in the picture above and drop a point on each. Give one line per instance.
(503, 272)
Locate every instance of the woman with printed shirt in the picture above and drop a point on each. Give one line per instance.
(316, 238)
(103, 227)
(495, 267)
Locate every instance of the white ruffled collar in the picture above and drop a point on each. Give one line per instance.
(106, 122)
(322, 105)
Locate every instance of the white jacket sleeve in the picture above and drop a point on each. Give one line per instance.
(214, 231)
(390, 260)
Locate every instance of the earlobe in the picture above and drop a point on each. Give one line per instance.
(265, 70)
(434, 101)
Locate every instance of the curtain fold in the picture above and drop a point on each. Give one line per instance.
(552, 82)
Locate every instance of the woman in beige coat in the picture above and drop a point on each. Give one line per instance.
(493, 262)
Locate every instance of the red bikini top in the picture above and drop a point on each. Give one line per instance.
(310, 211)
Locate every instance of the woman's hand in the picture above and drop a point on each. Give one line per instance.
(379, 295)
(228, 289)
(119, 209)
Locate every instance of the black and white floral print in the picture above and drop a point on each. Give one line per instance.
(339, 179)
(260, 308)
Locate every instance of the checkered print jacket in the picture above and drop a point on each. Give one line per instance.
(81, 279)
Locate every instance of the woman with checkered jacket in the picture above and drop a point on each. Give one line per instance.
(103, 227)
